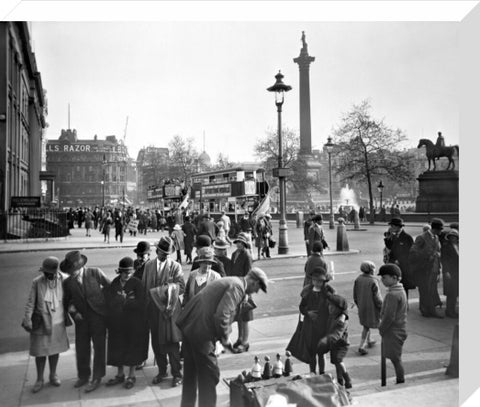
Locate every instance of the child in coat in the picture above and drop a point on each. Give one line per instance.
(393, 317)
(367, 298)
(336, 340)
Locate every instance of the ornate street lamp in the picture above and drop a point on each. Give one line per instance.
(280, 88)
(329, 146)
(104, 164)
(380, 187)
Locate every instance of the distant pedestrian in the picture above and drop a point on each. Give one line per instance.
(367, 298)
(226, 223)
(393, 318)
(178, 237)
(306, 226)
(46, 321)
(315, 233)
(107, 223)
(190, 233)
(118, 221)
(88, 222)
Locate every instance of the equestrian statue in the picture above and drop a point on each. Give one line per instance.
(435, 151)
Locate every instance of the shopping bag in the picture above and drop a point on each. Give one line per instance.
(271, 242)
(298, 346)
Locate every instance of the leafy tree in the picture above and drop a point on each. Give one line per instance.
(367, 149)
(183, 157)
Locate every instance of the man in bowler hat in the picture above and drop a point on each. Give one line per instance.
(398, 242)
(85, 301)
(160, 273)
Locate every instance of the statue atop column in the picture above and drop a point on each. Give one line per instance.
(304, 43)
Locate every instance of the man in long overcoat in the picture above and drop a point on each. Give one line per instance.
(426, 266)
(399, 242)
(85, 301)
(160, 273)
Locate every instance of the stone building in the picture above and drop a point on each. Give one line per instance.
(22, 115)
(88, 172)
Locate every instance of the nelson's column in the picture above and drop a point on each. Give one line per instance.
(312, 167)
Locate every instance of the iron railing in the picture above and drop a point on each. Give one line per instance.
(33, 223)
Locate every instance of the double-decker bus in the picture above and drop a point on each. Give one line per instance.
(235, 190)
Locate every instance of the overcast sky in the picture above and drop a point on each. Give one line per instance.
(191, 78)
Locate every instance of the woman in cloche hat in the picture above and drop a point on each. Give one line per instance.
(46, 321)
(126, 323)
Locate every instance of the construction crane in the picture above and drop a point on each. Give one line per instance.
(125, 130)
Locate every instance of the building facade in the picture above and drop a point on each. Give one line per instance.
(88, 172)
(22, 115)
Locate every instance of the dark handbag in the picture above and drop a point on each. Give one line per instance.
(271, 242)
(37, 321)
(298, 346)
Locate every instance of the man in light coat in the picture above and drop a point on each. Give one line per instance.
(159, 273)
(208, 317)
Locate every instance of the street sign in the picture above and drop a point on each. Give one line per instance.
(282, 172)
(25, 202)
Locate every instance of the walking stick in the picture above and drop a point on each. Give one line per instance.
(383, 366)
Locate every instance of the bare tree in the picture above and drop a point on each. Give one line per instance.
(367, 148)
(266, 149)
(183, 157)
(223, 162)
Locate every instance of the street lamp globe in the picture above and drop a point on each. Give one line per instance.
(280, 88)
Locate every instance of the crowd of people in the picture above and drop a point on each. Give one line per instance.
(150, 303)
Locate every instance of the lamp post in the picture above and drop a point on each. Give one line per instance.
(380, 187)
(104, 163)
(280, 88)
(329, 146)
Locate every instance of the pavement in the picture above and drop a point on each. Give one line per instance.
(426, 353)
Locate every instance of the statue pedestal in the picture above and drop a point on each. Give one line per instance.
(438, 192)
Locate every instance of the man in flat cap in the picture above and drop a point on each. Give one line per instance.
(425, 262)
(85, 301)
(206, 318)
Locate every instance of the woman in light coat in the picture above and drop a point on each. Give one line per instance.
(46, 320)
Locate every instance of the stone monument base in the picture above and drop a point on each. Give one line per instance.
(438, 192)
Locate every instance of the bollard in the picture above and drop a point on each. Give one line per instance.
(299, 219)
(356, 220)
(452, 369)
(342, 240)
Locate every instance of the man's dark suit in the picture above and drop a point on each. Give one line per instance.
(88, 300)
